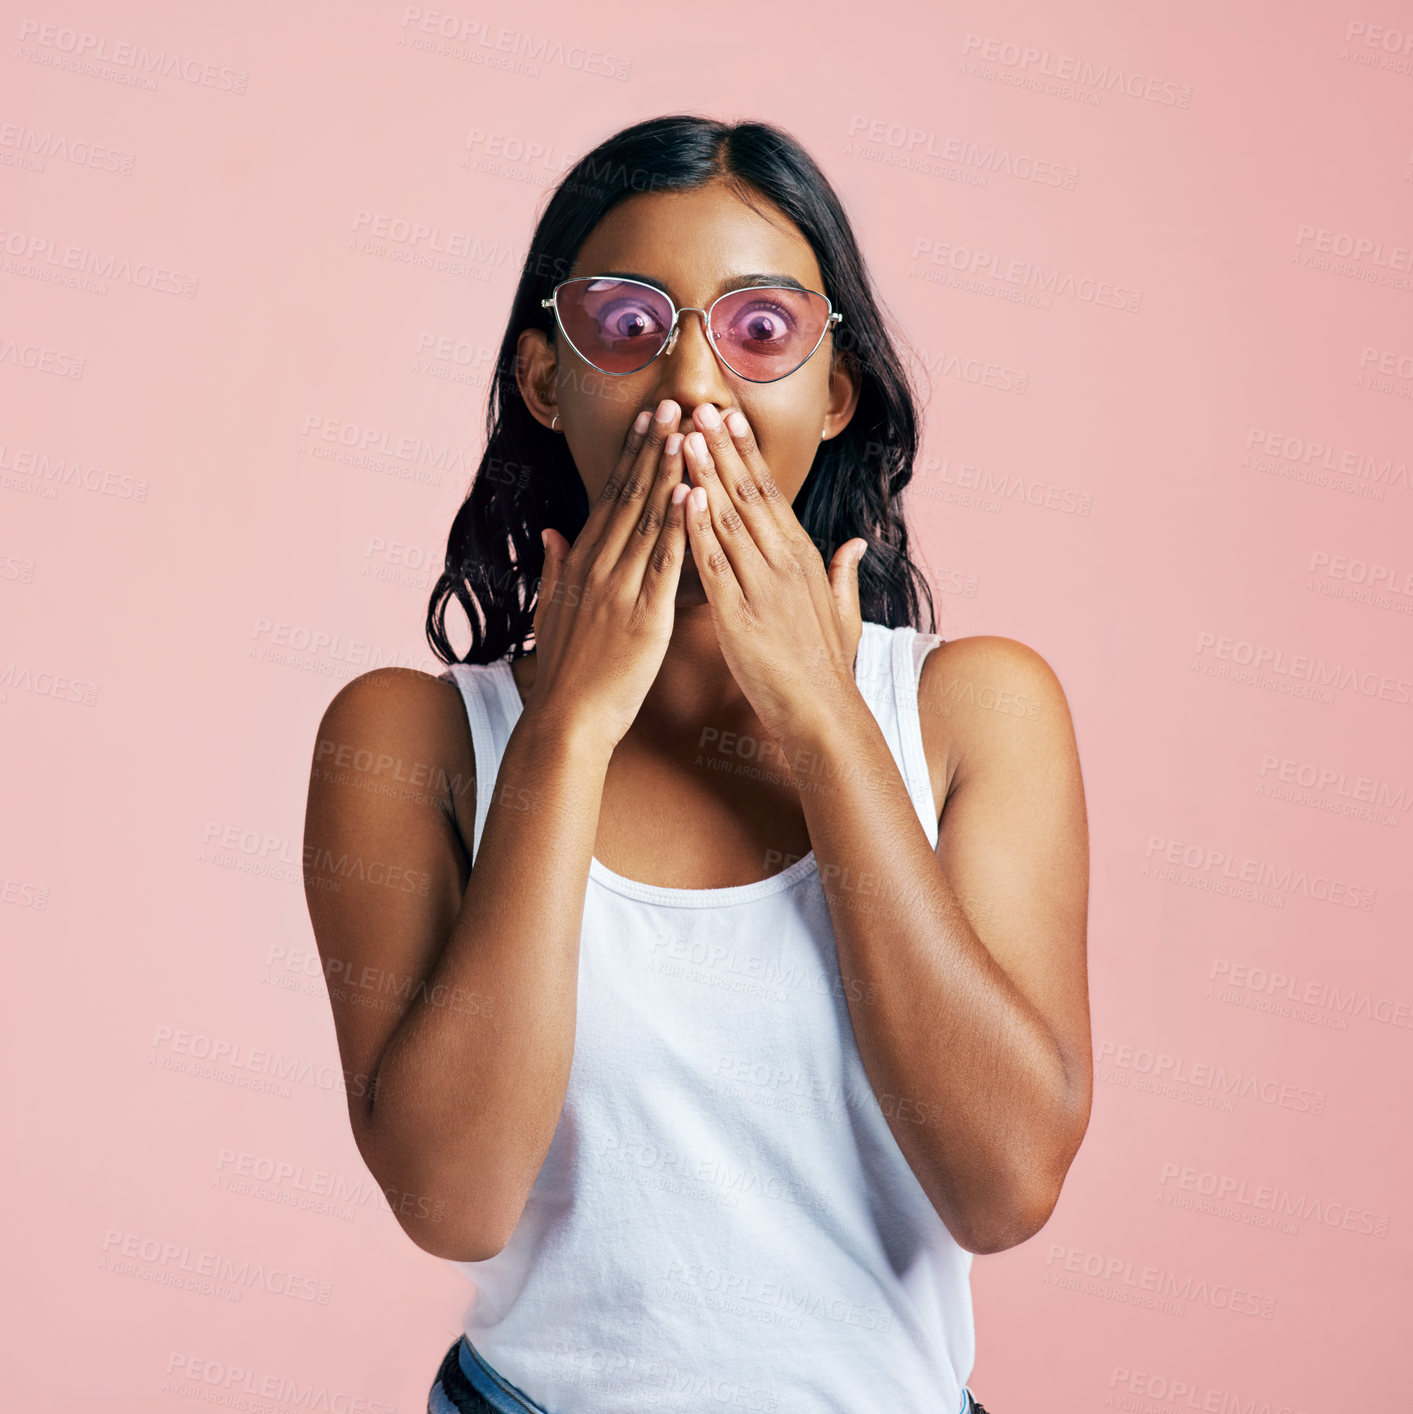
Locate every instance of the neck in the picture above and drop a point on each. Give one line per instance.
(694, 686)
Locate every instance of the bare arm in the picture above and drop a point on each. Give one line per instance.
(459, 995)
(966, 967)
(453, 989)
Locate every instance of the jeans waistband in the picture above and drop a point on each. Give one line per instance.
(466, 1384)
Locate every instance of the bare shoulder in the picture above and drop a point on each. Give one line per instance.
(391, 808)
(985, 699)
(397, 730)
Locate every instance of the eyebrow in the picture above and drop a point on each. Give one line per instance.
(732, 282)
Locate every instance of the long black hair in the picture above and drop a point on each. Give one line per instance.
(527, 479)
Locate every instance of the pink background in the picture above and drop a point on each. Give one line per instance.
(1157, 498)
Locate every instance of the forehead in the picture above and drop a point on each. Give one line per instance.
(695, 243)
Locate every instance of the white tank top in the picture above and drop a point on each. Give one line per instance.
(723, 1217)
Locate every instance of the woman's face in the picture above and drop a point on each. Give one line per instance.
(695, 245)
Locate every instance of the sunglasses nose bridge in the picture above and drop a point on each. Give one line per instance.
(676, 329)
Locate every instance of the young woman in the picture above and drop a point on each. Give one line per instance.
(732, 990)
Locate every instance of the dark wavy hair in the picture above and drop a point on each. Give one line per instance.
(527, 479)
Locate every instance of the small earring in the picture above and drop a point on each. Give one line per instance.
(554, 426)
(824, 433)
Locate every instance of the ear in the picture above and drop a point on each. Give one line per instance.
(845, 386)
(535, 368)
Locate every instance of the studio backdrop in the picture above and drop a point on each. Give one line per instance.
(1154, 269)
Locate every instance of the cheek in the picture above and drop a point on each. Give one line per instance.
(602, 410)
(788, 441)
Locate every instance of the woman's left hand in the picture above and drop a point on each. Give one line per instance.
(789, 632)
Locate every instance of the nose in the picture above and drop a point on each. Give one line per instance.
(688, 371)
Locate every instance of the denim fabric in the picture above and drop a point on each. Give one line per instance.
(466, 1384)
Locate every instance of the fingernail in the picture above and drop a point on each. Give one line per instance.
(673, 445)
(709, 415)
(640, 423)
(667, 411)
(699, 498)
(679, 493)
(696, 445)
(737, 424)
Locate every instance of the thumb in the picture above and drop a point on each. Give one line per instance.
(553, 543)
(556, 548)
(844, 581)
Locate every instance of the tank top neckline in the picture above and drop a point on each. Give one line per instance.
(807, 866)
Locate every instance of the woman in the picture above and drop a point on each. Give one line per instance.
(733, 994)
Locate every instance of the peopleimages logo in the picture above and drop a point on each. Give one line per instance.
(1304, 668)
(1306, 459)
(1032, 64)
(1261, 873)
(900, 145)
(1114, 1275)
(458, 37)
(1266, 1198)
(943, 262)
(1166, 1070)
(65, 48)
(44, 256)
(194, 1376)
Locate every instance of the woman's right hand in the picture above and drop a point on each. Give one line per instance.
(606, 605)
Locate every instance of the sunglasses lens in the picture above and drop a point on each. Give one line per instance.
(617, 325)
(765, 333)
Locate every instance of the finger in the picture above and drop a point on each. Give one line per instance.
(669, 552)
(643, 538)
(752, 489)
(638, 484)
(729, 529)
(602, 509)
(713, 564)
(744, 444)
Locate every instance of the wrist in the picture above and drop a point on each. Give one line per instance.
(816, 727)
(555, 730)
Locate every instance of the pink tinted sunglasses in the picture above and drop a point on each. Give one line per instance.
(761, 332)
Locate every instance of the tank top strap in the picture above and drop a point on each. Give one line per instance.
(888, 673)
(492, 706)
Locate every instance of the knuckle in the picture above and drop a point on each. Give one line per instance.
(731, 521)
(661, 557)
(717, 562)
(747, 490)
(653, 440)
(635, 485)
(745, 615)
(650, 522)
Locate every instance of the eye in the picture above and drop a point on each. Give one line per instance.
(762, 321)
(628, 318)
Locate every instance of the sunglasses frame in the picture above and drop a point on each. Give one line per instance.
(674, 329)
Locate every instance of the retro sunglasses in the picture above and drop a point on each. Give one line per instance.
(761, 333)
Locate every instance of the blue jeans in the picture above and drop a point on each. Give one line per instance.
(466, 1384)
